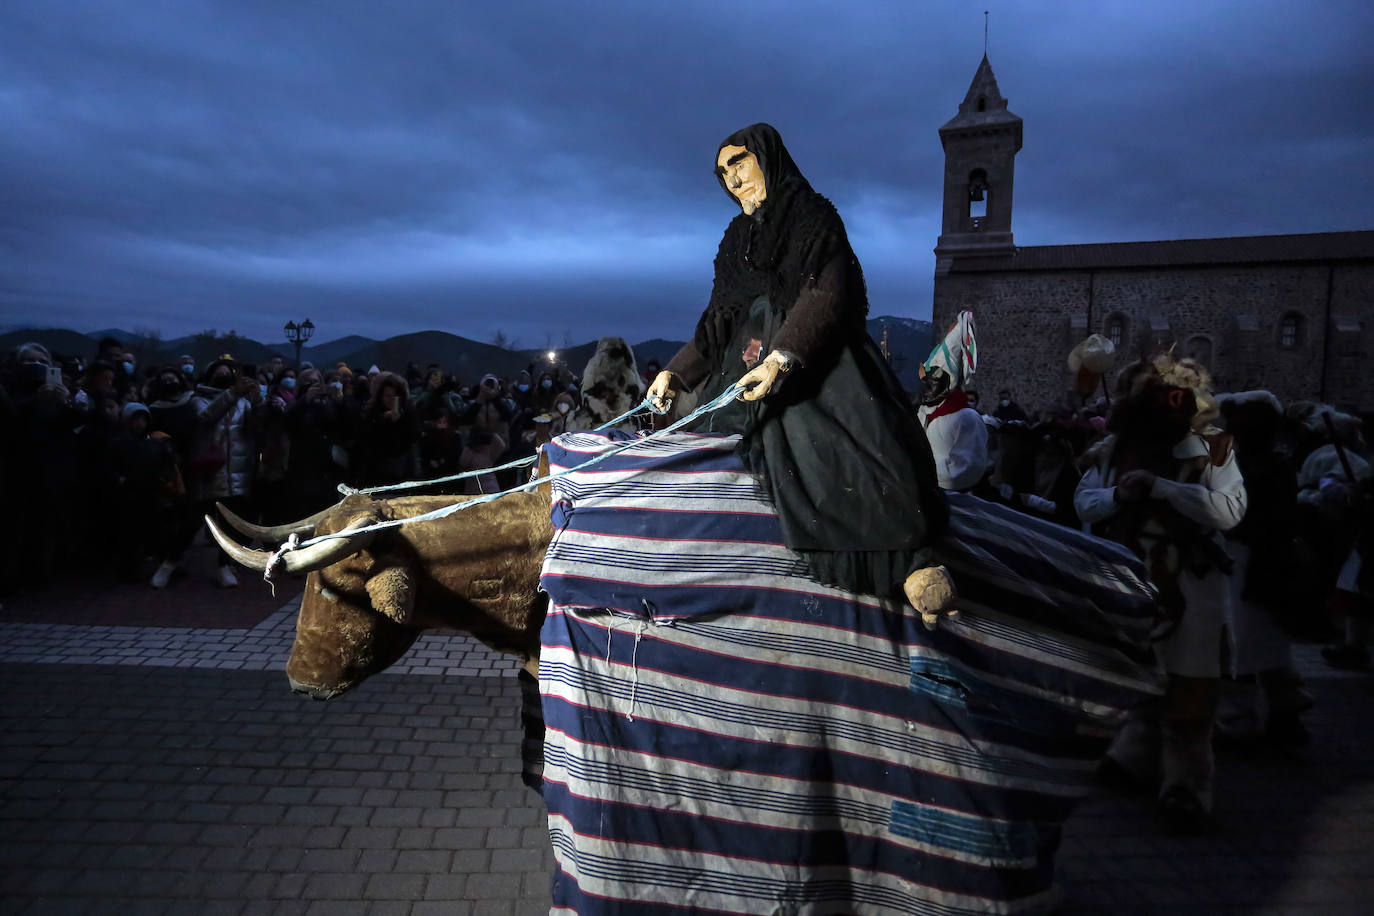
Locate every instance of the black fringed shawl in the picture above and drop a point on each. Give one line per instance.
(779, 250)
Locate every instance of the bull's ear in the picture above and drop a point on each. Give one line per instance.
(392, 591)
(542, 470)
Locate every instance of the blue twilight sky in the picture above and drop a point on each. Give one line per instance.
(543, 167)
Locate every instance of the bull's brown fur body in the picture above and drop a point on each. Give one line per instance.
(476, 571)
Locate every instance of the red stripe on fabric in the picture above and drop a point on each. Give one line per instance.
(677, 676)
(744, 476)
(853, 599)
(676, 511)
(662, 540)
(818, 782)
(698, 650)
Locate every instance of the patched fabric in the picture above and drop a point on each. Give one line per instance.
(724, 734)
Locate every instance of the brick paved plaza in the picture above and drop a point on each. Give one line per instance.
(166, 768)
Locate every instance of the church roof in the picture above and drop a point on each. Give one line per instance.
(983, 104)
(1245, 249)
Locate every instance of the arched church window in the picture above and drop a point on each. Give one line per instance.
(1290, 331)
(982, 104)
(978, 194)
(1116, 330)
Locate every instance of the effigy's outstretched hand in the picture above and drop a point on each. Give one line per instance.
(764, 377)
(661, 392)
(931, 592)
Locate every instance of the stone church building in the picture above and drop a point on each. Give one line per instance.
(1291, 313)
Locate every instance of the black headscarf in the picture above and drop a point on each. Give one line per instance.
(779, 249)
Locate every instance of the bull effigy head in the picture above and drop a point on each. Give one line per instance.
(356, 610)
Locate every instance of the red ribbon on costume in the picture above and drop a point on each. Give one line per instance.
(956, 400)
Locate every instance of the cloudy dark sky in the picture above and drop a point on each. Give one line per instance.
(543, 167)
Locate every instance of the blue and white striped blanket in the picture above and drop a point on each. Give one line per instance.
(724, 734)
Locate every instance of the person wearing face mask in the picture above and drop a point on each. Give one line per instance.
(170, 410)
(228, 406)
(316, 425)
(1008, 411)
(651, 370)
(543, 394)
(275, 366)
(172, 414)
(286, 385)
(522, 390)
(274, 449)
(488, 410)
(1165, 483)
(140, 466)
(563, 407)
(387, 449)
(187, 364)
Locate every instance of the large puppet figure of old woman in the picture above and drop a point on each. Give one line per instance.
(823, 419)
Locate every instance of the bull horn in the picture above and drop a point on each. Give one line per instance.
(297, 562)
(271, 534)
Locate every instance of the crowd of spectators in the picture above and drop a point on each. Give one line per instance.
(1308, 524)
(112, 465)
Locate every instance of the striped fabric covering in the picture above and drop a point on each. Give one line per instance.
(723, 734)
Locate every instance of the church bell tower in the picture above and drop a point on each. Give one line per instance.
(981, 143)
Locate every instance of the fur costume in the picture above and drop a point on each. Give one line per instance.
(1161, 424)
(611, 385)
(1160, 402)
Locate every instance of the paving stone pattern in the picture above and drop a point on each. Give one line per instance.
(261, 648)
(163, 790)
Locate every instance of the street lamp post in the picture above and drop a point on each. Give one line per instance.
(298, 334)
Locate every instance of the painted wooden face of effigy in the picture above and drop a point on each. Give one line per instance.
(743, 177)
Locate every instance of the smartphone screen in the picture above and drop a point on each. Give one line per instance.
(54, 376)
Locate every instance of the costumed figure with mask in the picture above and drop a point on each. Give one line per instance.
(611, 386)
(1165, 483)
(957, 434)
(824, 420)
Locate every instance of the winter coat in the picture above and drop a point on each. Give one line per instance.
(387, 451)
(222, 460)
(141, 465)
(176, 416)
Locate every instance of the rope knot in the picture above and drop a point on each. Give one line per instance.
(291, 543)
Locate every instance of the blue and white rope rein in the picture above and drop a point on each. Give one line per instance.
(346, 490)
(293, 544)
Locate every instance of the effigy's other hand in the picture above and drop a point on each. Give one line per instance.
(931, 592)
(761, 379)
(661, 393)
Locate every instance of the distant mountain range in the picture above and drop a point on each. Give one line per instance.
(909, 341)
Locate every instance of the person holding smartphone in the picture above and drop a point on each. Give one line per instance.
(229, 406)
